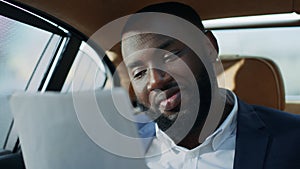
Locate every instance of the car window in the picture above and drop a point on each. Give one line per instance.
(87, 72)
(22, 49)
(279, 44)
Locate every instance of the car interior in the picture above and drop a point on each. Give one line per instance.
(45, 46)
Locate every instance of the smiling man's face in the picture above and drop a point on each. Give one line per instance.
(162, 70)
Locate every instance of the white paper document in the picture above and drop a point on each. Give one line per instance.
(62, 131)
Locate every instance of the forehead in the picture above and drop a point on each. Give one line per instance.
(140, 42)
(137, 48)
(142, 47)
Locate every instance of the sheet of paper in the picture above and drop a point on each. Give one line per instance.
(52, 138)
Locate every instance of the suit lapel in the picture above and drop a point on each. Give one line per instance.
(252, 139)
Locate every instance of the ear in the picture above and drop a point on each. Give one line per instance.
(212, 39)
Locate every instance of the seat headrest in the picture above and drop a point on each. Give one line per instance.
(255, 80)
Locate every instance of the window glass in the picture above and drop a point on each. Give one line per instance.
(21, 48)
(279, 44)
(87, 72)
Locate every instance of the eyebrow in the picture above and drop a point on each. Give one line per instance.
(166, 44)
(134, 64)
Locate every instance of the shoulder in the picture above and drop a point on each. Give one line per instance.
(277, 115)
(278, 121)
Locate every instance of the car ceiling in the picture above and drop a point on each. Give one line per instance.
(89, 15)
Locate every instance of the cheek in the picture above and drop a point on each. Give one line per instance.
(140, 90)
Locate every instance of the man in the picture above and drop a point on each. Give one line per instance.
(176, 85)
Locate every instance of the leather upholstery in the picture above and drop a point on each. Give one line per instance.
(255, 80)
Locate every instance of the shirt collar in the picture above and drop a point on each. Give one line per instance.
(227, 128)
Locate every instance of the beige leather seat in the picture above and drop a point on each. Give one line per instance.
(255, 80)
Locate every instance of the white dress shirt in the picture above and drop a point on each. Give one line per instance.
(216, 152)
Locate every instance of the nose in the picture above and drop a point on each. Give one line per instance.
(157, 78)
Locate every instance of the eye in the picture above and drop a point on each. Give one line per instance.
(171, 56)
(139, 74)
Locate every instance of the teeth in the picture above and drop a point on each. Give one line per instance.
(163, 105)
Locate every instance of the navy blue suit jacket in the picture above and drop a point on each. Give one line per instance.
(266, 138)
